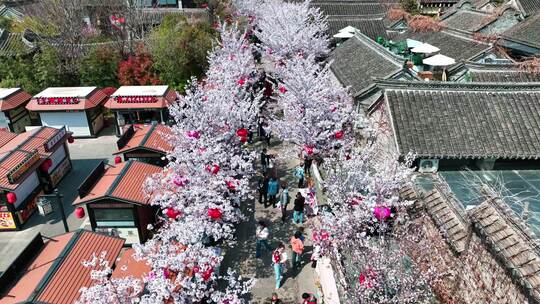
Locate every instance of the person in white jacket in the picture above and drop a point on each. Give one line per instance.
(262, 233)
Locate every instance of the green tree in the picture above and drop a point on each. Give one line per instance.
(410, 6)
(100, 67)
(18, 72)
(179, 49)
(49, 72)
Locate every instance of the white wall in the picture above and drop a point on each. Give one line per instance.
(75, 122)
(25, 188)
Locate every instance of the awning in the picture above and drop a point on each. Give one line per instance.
(344, 35)
(439, 60)
(425, 48)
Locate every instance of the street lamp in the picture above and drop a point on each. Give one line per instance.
(46, 208)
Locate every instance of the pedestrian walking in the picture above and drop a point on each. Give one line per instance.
(262, 233)
(284, 200)
(262, 186)
(274, 299)
(299, 173)
(264, 160)
(298, 209)
(308, 298)
(273, 188)
(308, 160)
(297, 249)
(279, 258)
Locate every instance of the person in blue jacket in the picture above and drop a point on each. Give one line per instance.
(273, 187)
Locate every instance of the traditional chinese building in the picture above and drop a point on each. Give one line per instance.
(133, 105)
(13, 114)
(116, 202)
(52, 270)
(30, 163)
(80, 109)
(148, 143)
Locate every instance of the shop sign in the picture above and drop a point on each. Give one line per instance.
(7, 221)
(15, 173)
(57, 100)
(25, 214)
(136, 99)
(60, 171)
(55, 139)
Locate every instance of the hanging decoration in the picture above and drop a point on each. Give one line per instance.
(135, 99)
(58, 100)
(79, 212)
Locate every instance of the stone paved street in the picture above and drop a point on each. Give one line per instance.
(243, 255)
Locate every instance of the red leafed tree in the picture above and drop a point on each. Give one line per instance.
(137, 70)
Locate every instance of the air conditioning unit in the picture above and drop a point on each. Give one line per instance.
(428, 165)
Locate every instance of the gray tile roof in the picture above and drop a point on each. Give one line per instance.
(512, 242)
(529, 7)
(527, 31)
(465, 120)
(372, 28)
(499, 73)
(342, 8)
(465, 20)
(449, 216)
(359, 59)
(12, 44)
(451, 44)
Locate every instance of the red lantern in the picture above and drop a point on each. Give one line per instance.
(49, 162)
(241, 81)
(230, 185)
(214, 169)
(362, 278)
(308, 149)
(117, 160)
(243, 139)
(196, 269)
(215, 213)
(11, 197)
(71, 139)
(79, 212)
(283, 90)
(45, 166)
(207, 274)
(172, 213)
(339, 134)
(193, 134)
(242, 132)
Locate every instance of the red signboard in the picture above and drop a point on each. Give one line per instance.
(57, 100)
(136, 99)
(21, 168)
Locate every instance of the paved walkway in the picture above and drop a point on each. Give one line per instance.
(242, 256)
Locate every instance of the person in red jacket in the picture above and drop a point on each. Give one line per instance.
(308, 298)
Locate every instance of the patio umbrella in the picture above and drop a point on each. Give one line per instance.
(343, 35)
(411, 43)
(425, 48)
(439, 60)
(348, 29)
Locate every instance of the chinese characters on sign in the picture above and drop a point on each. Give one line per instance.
(15, 173)
(135, 99)
(55, 139)
(6, 221)
(57, 100)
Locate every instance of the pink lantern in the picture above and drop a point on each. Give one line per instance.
(180, 181)
(193, 134)
(215, 213)
(283, 90)
(242, 132)
(79, 212)
(381, 213)
(11, 197)
(339, 134)
(172, 213)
